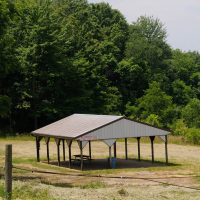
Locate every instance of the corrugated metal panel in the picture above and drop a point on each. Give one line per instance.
(76, 125)
(124, 128)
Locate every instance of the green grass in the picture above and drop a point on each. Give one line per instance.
(93, 185)
(123, 192)
(21, 137)
(171, 139)
(2, 190)
(197, 179)
(24, 191)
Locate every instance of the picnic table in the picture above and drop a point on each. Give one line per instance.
(78, 157)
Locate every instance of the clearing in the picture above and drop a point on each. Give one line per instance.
(130, 180)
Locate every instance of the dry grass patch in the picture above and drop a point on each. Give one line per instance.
(185, 160)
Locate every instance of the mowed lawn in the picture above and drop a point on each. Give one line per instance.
(130, 180)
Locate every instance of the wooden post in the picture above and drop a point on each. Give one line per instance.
(138, 142)
(38, 138)
(90, 150)
(166, 150)
(70, 155)
(8, 171)
(110, 155)
(63, 141)
(126, 149)
(47, 139)
(115, 149)
(58, 149)
(152, 147)
(81, 152)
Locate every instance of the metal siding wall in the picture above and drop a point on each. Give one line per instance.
(124, 129)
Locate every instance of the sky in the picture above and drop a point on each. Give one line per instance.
(181, 18)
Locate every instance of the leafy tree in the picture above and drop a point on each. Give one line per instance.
(153, 120)
(179, 127)
(190, 113)
(8, 64)
(195, 83)
(61, 57)
(147, 45)
(130, 80)
(5, 105)
(147, 49)
(181, 92)
(183, 65)
(156, 102)
(50, 81)
(103, 36)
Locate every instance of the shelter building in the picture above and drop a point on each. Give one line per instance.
(85, 128)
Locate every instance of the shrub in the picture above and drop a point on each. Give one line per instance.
(153, 120)
(190, 113)
(179, 127)
(193, 135)
(123, 192)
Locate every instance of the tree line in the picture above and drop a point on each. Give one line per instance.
(59, 57)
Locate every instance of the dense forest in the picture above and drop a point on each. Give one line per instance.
(59, 57)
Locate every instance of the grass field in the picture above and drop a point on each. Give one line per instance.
(99, 183)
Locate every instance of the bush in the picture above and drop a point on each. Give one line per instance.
(153, 120)
(193, 135)
(190, 113)
(179, 127)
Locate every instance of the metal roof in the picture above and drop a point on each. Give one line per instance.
(98, 127)
(76, 125)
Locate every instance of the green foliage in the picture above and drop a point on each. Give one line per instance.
(131, 81)
(190, 113)
(179, 127)
(153, 120)
(181, 92)
(123, 192)
(5, 105)
(147, 45)
(64, 57)
(193, 135)
(156, 102)
(94, 185)
(183, 64)
(26, 191)
(131, 111)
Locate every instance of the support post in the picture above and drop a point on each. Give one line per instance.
(110, 155)
(166, 149)
(37, 139)
(152, 147)
(8, 171)
(58, 149)
(126, 149)
(63, 141)
(81, 152)
(47, 139)
(138, 143)
(90, 150)
(115, 149)
(70, 155)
